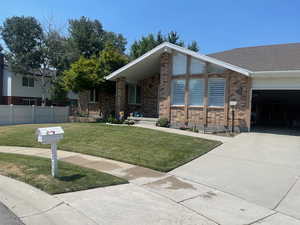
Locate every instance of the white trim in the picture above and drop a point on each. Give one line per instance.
(208, 59)
(168, 46)
(271, 88)
(277, 71)
(112, 75)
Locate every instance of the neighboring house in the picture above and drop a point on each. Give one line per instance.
(23, 90)
(192, 89)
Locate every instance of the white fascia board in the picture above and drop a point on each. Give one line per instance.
(167, 45)
(276, 74)
(209, 59)
(141, 58)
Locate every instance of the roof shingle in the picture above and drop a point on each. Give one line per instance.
(280, 57)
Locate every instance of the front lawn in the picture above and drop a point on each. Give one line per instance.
(36, 171)
(149, 148)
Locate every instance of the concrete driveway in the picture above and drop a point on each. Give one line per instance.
(261, 168)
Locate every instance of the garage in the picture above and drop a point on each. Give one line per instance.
(276, 108)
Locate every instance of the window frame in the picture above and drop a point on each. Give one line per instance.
(172, 92)
(204, 71)
(185, 64)
(203, 92)
(224, 95)
(135, 102)
(27, 81)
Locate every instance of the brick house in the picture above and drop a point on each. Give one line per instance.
(192, 89)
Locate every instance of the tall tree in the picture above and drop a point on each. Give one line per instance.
(194, 46)
(88, 73)
(31, 51)
(174, 38)
(116, 40)
(86, 36)
(23, 37)
(146, 43)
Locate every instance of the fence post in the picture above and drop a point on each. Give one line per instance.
(33, 113)
(52, 114)
(11, 114)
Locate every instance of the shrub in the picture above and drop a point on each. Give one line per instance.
(162, 122)
(113, 120)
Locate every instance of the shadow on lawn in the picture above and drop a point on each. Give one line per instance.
(71, 177)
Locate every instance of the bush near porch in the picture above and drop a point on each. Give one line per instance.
(149, 148)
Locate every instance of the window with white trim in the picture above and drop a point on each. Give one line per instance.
(179, 64)
(178, 92)
(134, 94)
(216, 92)
(196, 92)
(197, 66)
(27, 82)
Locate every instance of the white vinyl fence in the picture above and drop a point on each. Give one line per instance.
(21, 114)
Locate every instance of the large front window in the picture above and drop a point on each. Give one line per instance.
(134, 94)
(216, 92)
(178, 91)
(197, 66)
(196, 92)
(179, 64)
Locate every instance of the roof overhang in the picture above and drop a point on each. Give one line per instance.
(149, 63)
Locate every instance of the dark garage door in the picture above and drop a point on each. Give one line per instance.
(276, 108)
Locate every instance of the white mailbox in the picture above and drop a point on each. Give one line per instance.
(51, 135)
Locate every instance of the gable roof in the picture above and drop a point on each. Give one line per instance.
(281, 57)
(145, 63)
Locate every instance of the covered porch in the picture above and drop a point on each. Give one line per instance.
(138, 86)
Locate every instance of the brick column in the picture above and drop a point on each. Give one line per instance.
(120, 95)
(164, 86)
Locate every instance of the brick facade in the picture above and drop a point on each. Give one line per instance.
(104, 107)
(156, 99)
(216, 118)
(164, 86)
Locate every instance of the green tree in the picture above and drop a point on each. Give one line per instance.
(117, 40)
(88, 73)
(84, 74)
(86, 36)
(146, 43)
(174, 38)
(23, 37)
(193, 46)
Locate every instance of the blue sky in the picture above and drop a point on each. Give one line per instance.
(215, 25)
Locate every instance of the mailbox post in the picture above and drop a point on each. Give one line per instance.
(51, 135)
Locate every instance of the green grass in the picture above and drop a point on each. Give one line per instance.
(149, 148)
(36, 171)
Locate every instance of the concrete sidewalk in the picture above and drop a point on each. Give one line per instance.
(151, 198)
(35, 207)
(187, 133)
(8, 217)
